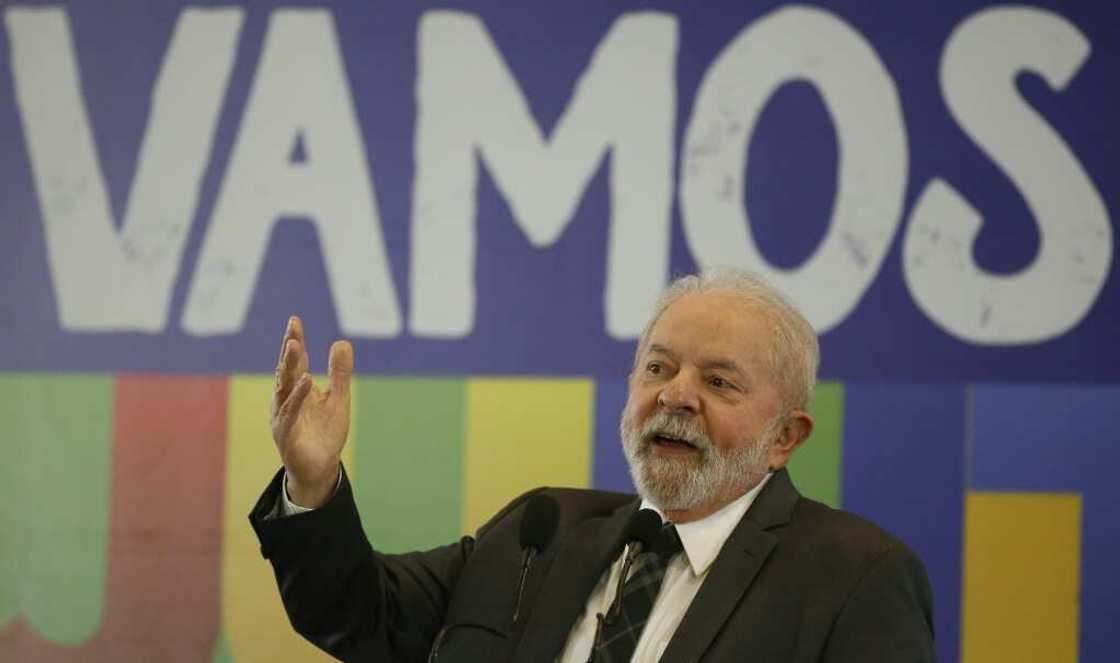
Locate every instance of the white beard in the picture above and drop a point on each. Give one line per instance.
(686, 483)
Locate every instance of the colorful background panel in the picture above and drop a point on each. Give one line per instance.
(181, 447)
(1058, 441)
(137, 573)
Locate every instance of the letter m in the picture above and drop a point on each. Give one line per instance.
(469, 104)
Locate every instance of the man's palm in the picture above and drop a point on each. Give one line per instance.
(310, 425)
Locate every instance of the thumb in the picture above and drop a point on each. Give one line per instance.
(340, 367)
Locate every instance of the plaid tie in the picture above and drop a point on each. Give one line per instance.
(620, 635)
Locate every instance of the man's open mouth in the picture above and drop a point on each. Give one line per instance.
(670, 442)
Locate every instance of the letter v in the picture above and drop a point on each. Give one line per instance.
(105, 279)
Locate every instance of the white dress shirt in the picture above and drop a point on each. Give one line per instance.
(290, 508)
(702, 541)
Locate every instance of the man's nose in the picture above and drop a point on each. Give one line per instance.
(680, 395)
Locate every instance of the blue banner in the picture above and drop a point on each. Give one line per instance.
(474, 187)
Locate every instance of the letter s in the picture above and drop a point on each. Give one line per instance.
(1049, 297)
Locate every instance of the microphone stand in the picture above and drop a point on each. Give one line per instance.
(526, 562)
(632, 552)
(597, 641)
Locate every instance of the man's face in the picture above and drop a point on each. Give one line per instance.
(703, 407)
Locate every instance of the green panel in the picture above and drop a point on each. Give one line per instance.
(222, 653)
(815, 467)
(408, 437)
(54, 501)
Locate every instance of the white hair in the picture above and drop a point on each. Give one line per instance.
(793, 352)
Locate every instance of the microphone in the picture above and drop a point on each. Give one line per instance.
(641, 532)
(538, 526)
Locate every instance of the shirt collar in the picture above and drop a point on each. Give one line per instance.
(703, 539)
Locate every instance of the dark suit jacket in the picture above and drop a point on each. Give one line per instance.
(796, 582)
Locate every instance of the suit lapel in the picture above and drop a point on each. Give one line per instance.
(580, 561)
(739, 561)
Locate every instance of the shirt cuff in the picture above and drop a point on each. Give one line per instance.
(290, 508)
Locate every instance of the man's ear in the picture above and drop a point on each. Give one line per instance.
(796, 428)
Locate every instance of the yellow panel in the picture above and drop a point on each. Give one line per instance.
(253, 618)
(1021, 578)
(523, 433)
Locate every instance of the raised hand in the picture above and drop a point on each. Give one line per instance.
(310, 425)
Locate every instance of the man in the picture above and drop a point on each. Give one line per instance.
(743, 569)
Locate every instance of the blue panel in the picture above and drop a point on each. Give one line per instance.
(610, 472)
(904, 470)
(1054, 438)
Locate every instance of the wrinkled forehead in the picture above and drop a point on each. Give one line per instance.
(715, 325)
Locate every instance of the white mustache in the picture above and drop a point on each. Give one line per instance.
(681, 428)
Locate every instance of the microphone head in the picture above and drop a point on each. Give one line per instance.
(643, 527)
(539, 522)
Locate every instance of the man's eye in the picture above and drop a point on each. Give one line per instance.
(719, 383)
(653, 368)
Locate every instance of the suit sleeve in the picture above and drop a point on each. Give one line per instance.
(888, 617)
(343, 596)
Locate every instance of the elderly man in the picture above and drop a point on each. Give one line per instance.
(741, 567)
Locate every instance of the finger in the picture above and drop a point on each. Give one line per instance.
(304, 363)
(340, 368)
(288, 372)
(292, 330)
(284, 341)
(296, 325)
(290, 408)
